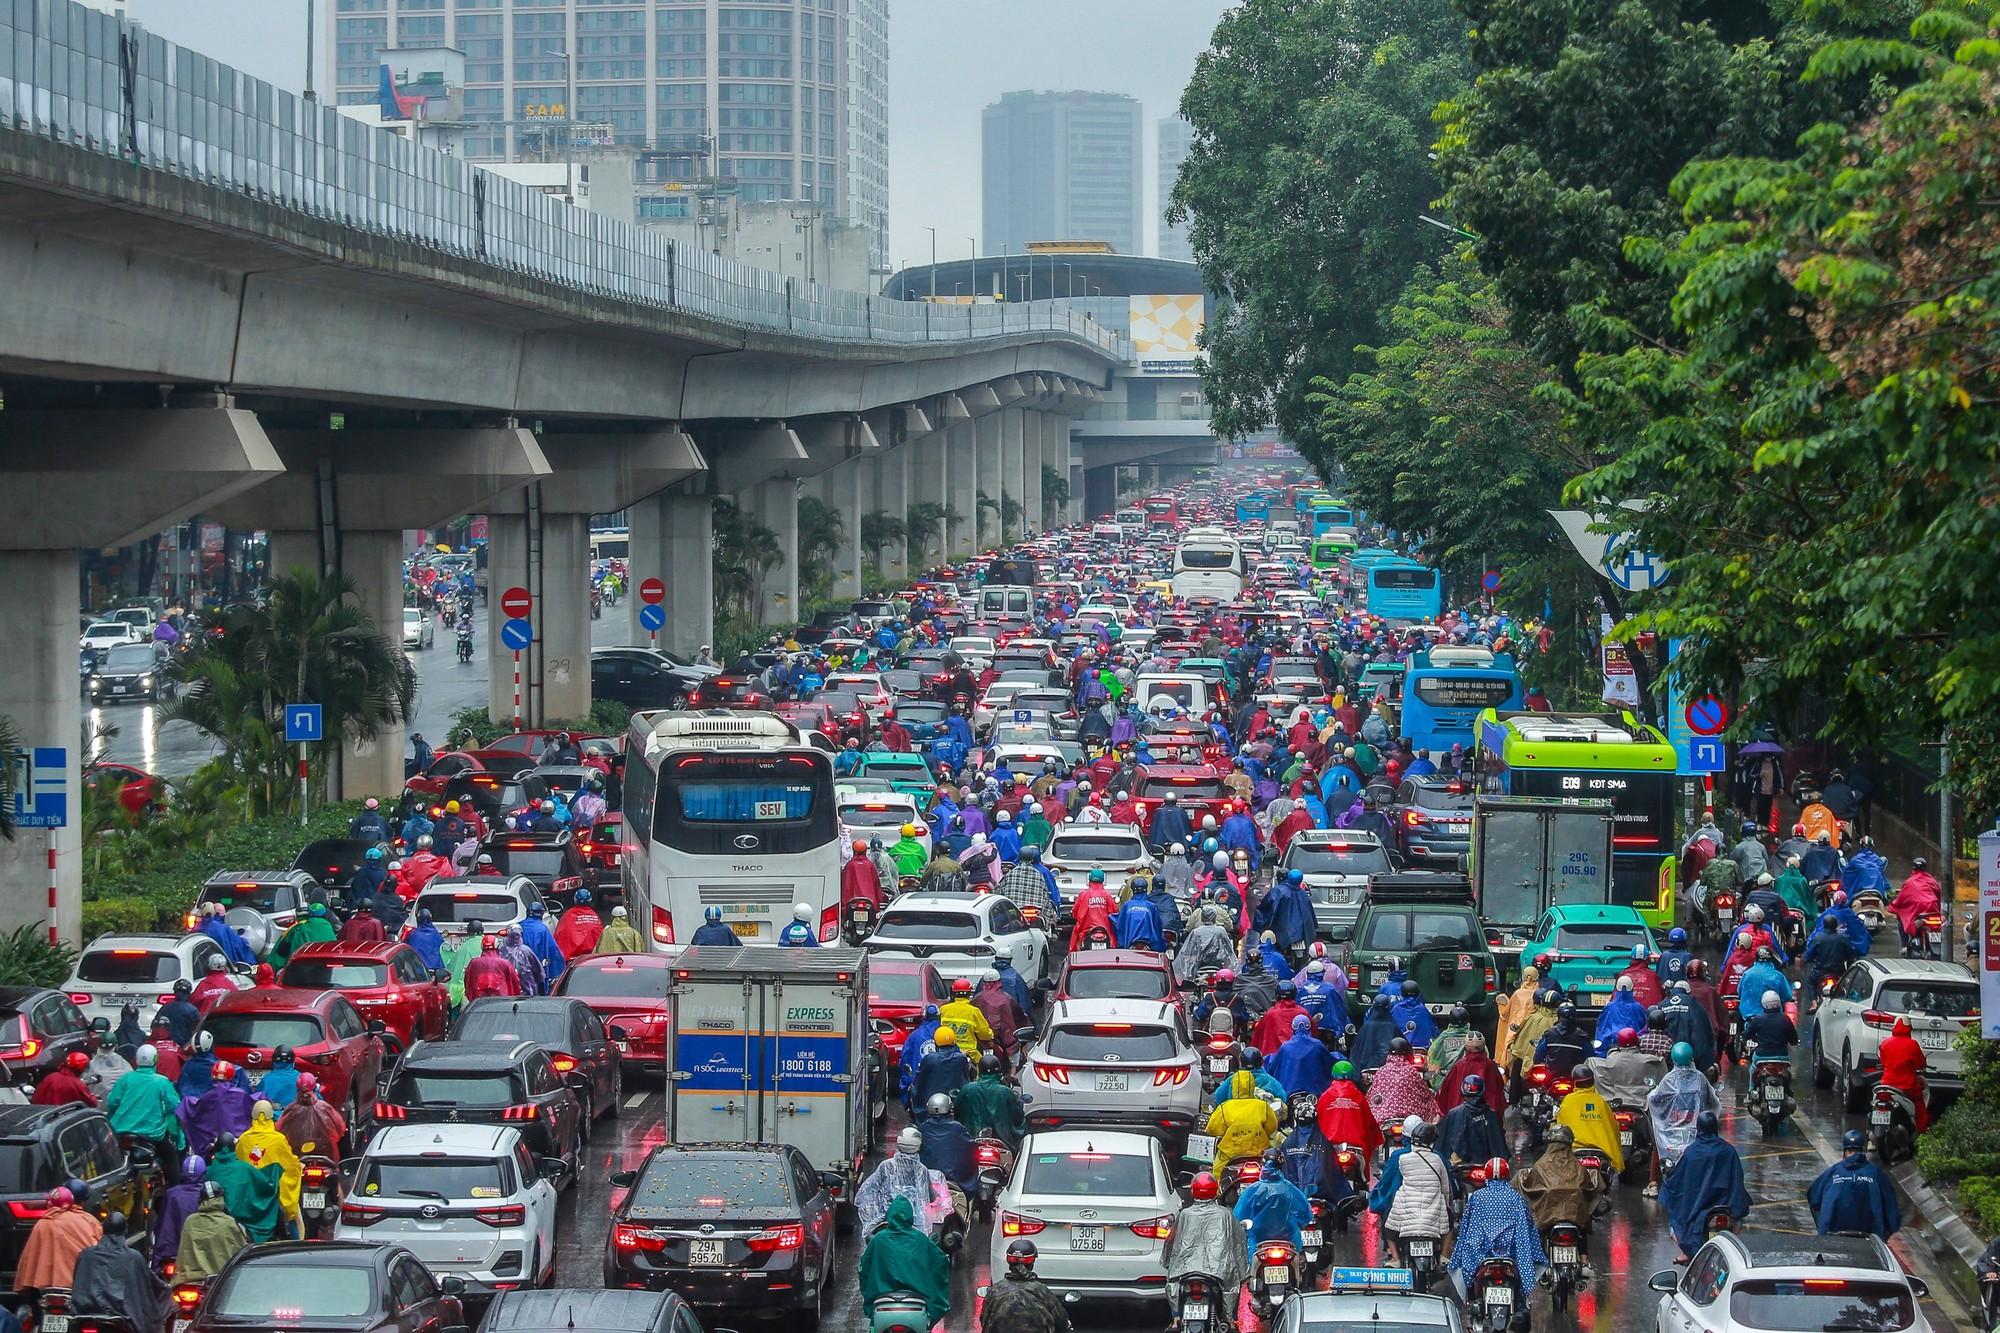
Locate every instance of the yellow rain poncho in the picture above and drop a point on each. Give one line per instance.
(262, 1144)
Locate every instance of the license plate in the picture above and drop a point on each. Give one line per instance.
(1421, 1248)
(1218, 1064)
(1931, 1041)
(1311, 1237)
(746, 929)
(1089, 1239)
(1562, 1254)
(1377, 975)
(1624, 1138)
(1725, 917)
(181, 1325)
(1201, 1145)
(1277, 1275)
(1194, 1312)
(623, 1046)
(1499, 1295)
(1774, 1095)
(1878, 1117)
(55, 1323)
(313, 1200)
(256, 1077)
(705, 1253)
(1111, 1083)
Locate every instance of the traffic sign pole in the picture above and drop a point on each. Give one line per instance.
(302, 784)
(517, 690)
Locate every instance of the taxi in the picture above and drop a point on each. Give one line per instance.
(1375, 1298)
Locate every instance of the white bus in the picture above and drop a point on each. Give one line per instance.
(732, 810)
(1207, 567)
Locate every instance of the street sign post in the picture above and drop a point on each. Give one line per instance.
(1707, 755)
(516, 603)
(304, 724)
(516, 634)
(652, 616)
(1707, 716)
(652, 592)
(41, 800)
(1490, 580)
(652, 619)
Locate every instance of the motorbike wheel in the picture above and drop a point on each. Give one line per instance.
(1559, 1295)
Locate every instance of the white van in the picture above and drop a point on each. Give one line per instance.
(1192, 693)
(1131, 522)
(1006, 599)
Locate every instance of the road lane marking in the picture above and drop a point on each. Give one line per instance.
(635, 1099)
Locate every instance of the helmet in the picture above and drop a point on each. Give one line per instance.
(1253, 1058)
(1472, 1087)
(939, 1104)
(1771, 1001)
(1582, 1077)
(1224, 978)
(1764, 954)
(487, 944)
(989, 1063)
(1853, 1141)
(712, 914)
(1220, 861)
(946, 1036)
(1683, 1055)
(1639, 953)
(183, 988)
(1677, 937)
(1021, 1255)
(1565, 1010)
(193, 1168)
(910, 830)
(1399, 1047)
(424, 842)
(1424, 1135)
(909, 1140)
(619, 913)
(372, 854)
(1342, 1069)
(1697, 968)
(802, 912)
(1287, 988)
(1202, 1187)
(1460, 1015)
(1295, 877)
(1625, 983)
(1627, 1038)
(282, 1055)
(1753, 913)
(1561, 1134)
(225, 1071)
(1707, 1123)
(1411, 989)
(1917, 864)
(371, 804)
(961, 985)
(582, 898)
(148, 1056)
(1497, 1168)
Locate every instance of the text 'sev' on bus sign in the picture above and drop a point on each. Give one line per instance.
(41, 786)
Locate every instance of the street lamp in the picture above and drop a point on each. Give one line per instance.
(311, 96)
(972, 278)
(569, 120)
(933, 232)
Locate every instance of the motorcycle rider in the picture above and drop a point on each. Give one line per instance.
(145, 1105)
(1273, 1208)
(1207, 1241)
(1773, 1032)
(209, 1238)
(64, 1231)
(1558, 1189)
(1624, 1011)
(1854, 1194)
(1095, 909)
(945, 1068)
(1222, 995)
(899, 1257)
(799, 932)
(1019, 1302)
(1587, 1116)
(1412, 1194)
(370, 825)
(1708, 1176)
(1208, 947)
(1671, 966)
(988, 1108)
(1274, 1027)
(1763, 977)
(1303, 1063)
(1497, 1224)
(64, 1084)
(947, 1144)
(712, 933)
(1470, 1131)
(1918, 898)
(1413, 1019)
(113, 1279)
(620, 936)
(1447, 1046)
(1626, 1076)
(1903, 1065)
(1345, 1116)
(1244, 1124)
(1829, 953)
(1568, 1043)
(1474, 1063)
(1398, 1088)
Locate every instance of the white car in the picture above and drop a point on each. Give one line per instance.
(1113, 1062)
(418, 632)
(1099, 1204)
(1778, 1282)
(998, 701)
(1370, 1298)
(468, 1200)
(1337, 865)
(1938, 999)
(116, 970)
(1119, 850)
(1191, 694)
(867, 685)
(977, 651)
(960, 934)
(494, 901)
(103, 634)
(879, 814)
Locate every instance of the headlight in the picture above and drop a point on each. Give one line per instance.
(145, 680)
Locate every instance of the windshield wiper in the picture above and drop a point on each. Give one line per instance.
(423, 1194)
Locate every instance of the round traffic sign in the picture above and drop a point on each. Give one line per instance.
(652, 619)
(1490, 580)
(1706, 716)
(652, 591)
(516, 603)
(517, 634)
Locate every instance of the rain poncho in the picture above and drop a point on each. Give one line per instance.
(175, 1208)
(263, 1145)
(1400, 1089)
(1855, 1195)
(1274, 1209)
(901, 1258)
(1624, 1011)
(535, 933)
(1345, 1117)
(112, 1278)
(1414, 1021)
(1371, 1044)
(1675, 1105)
(281, 1086)
(1023, 1305)
(1627, 1075)
(1443, 1053)
(1470, 1132)
(1708, 1176)
(1588, 1116)
(1243, 1125)
(1757, 979)
(1497, 1224)
(145, 1104)
(223, 1109)
(428, 941)
(1556, 1188)
(1302, 1063)
(1415, 1189)
(514, 948)
(1689, 1022)
(252, 1195)
(987, 1106)
(901, 1175)
(209, 1239)
(57, 1238)
(1207, 1240)
(1475, 1062)
(1138, 923)
(1206, 948)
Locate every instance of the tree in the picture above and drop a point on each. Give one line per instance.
(822, 530)
(1303, 187)
(1055, 497)
(745, 550)
(1012, 511)
(10, 739)
(881, 530)
(924, 527)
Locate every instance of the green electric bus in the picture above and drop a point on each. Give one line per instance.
(1606, 756)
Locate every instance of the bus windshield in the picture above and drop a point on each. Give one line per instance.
(1207, 557)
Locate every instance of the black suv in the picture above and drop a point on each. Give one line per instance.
(354, 1286)
(1432, 816)
(489, 1083)
(38, 1029)
(132, 671)
(40, 1148)
(548, 857)
(640, 678)
(743, 1225)
(572, 1033)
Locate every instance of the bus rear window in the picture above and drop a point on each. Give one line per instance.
(1197, 557)
(1463, 691)
(703, 802)
(1404, 578)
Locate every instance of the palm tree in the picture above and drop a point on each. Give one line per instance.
(881, 529)
(1055, 496)
(821, 532)
(745, 550)
(10, 740)
(924, 529)
(1012, 511)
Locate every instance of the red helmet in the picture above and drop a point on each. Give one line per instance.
(1203, 1186)
(1627, 1037)
(78, 1060)
(224, 1071)
(1497, 1168)
(487, 944)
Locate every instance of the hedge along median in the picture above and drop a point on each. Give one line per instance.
(157, 897)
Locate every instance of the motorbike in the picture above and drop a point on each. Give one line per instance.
(1868, 904)
(1771, 1094)
(1723, 909)
(1930, 936)
(1201, 1305)
(1792, 931)
(1274, 1276)
(1218, 1059)
(899, 1312)
(187, 1299)
(1471, 1176)
(596, 604)
(53, 1312)
(1490, 1296)
(1635, 1142)
(1541, 1103)
(1236, 1173)
(1989, 1298)
(989, 1158)
(909, 883)
(1313, 1236)
(319, 1194)
(858, 921)
(1563, 1243)
(1351, 1162)
(1892, 1120)
(1420, 1255)
(1718, 1221)
(465, 647)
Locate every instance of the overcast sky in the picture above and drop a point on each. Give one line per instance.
(948, 60)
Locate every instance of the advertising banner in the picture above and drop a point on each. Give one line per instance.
(1989, 934)
(1164, 330)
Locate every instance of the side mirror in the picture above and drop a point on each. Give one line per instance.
(1664, 1281)
(451, 1284)
(1024, 1034)
(553, 1169)
(1339, 934)
(441, 975)
(624, 1180)
(376, 1027)
(618, 1033)
(833, 1182)
(1920, 1287)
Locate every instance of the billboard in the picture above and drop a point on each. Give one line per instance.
(1164, 329)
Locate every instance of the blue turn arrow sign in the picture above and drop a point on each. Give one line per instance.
(517, 634)
(303, 722)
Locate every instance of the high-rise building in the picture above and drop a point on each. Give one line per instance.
(1062, 167)
(1176, 137)
(759, 99)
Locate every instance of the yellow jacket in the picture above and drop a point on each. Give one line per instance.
(964, 1018)
(1244, 1125)
(1519, 1005)
(1588, 1116)
(261, 1145)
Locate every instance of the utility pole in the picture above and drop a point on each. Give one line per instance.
(311, 96)
(1949, 907)
(933, 232)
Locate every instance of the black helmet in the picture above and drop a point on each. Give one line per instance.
(1021, 1256)
(281, 1055)
(1656, 1019)
(1707, 1123)
(1253, 1059)
(1287, 988)
(1582, 1077)
(989, 1063)
(114, 1223)
(1764, 954)
(225, 1146)
(1411, 990)
(1565, 1011)
(1424, 1135)
(210, 1190)
(183, 988)
(1919, 863)
(1399, 1046)
(1460, 1016)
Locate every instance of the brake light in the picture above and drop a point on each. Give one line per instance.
(1276, 1254)
(354, 1215)
(663, 926)
(1492, 980)
(563, 1064)
(792, 1237)
(1344, 1158)
(625, 1236)
(315, 1175)
(1252, 1170)
(1154, 1228)
(1018, 1224)
(167, 998)
(79, 997)
(1220, 1045)
(1723, 900)
(987, 1155)
(1880, 1019)
(1563, 1087)
(25, 1210)
(1411, 818)
(1051, 1073)
(1538, 1075)
(1032, 915)
(187, 1295)
(829, 924)
(1826, 1284)
(33, 1047)
(390, 1111)
(1624, 1118)
(1170, 1077)
(528, 1112)
(503, 1215)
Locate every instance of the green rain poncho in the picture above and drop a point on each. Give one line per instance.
(312, 928)
(252, 1194)
(144, 1103)
(901, 1258)
(1791, 886)
(456, 956)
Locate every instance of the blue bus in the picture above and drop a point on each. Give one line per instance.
(1446, 689)
(1325, 516)
(1253, 508)
(1402, 589)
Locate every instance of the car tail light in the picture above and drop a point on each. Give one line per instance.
(663, 926)
(563, 1064)
(528, 1112)
(26, 1210)
(1169, 1077)
(390, 1111)
(503, 1215)
(1878, 1018)
(187, 1295)
(829, 924)
(1051, 1073)
(361, 1214)
(192, 920)
(1154, 1228)
(165, 999)
(625, 1236)
(79, 997)
(1492, 981)
(789, 1237)
(1412, 819)
(565, 883)
(1018, 1224)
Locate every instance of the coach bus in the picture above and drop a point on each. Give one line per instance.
(1446, 689)
(1162, 511)
(1207, 567)
(733, 810)
(1400, 589)
(1595, 756)
(1253, 508)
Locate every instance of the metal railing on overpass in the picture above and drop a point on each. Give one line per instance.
(83, 77)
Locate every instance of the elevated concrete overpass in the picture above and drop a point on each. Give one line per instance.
(224, 301)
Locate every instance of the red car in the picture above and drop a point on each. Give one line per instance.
(461, 763)
(1117, 974)
(530, 744)
(385, 980)
(628, 991)
(139, 792)
(1197, 789)
(328, 1038)
(602, 847)
(898, 990)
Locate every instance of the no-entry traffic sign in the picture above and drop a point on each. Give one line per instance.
(652, 592)
(1707, 716)
(516, 603)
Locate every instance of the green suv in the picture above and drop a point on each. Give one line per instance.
(1426, 923)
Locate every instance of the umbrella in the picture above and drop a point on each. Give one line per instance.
(1755, 748)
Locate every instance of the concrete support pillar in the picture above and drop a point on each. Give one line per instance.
(38, 690)
(1013, 469)
(673, 540)
(373, 766)
(776, 505)
(549, 555)
(1033, 449)
(986, 466)
(929, 477)
(291, 551)
(844, 490)
(891, 477)
(1100, 491)
(962, 483)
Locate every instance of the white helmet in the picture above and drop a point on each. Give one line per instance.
(1220, 860)
(1753, 913)
(909, 1140)
(802, 912)
(146, 1057)
(1178, 849)
(618, 913)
